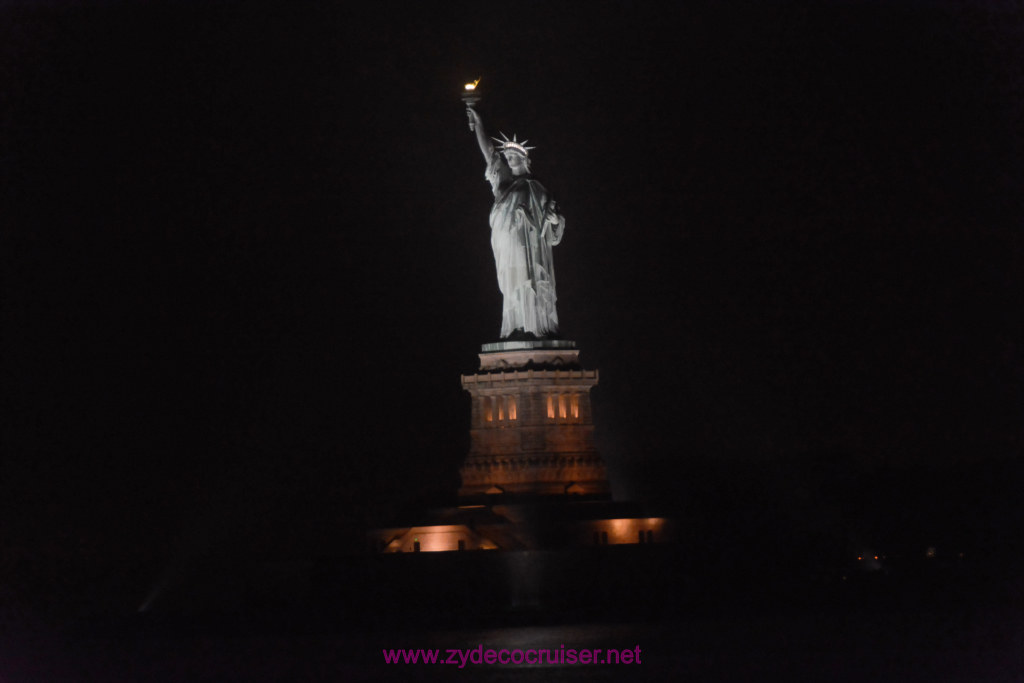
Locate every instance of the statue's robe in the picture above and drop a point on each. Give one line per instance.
(521, 239)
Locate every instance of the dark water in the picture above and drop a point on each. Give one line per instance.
(957, 622)
(986, 644)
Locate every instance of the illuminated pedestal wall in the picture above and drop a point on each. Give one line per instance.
(531, 430)
(533, 479)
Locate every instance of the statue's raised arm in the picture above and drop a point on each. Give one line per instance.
(476, 124)
(525, 225)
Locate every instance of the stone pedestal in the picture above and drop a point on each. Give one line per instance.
(531, 429)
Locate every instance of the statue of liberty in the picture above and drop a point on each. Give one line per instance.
(525, 225)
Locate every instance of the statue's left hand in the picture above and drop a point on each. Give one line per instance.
(551, 213)
(554, 224)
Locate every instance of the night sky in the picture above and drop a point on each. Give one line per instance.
(245, 252)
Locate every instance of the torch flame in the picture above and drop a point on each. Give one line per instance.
(472, 86)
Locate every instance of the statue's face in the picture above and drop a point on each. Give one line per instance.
(516, 162)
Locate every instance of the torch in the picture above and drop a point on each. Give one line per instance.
(470, 95)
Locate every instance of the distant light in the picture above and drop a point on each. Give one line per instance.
(876, 557)
(859, 558)
(472, 86)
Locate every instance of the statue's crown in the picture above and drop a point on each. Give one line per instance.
(513, 145)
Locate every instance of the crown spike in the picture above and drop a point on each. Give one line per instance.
(513, 145)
